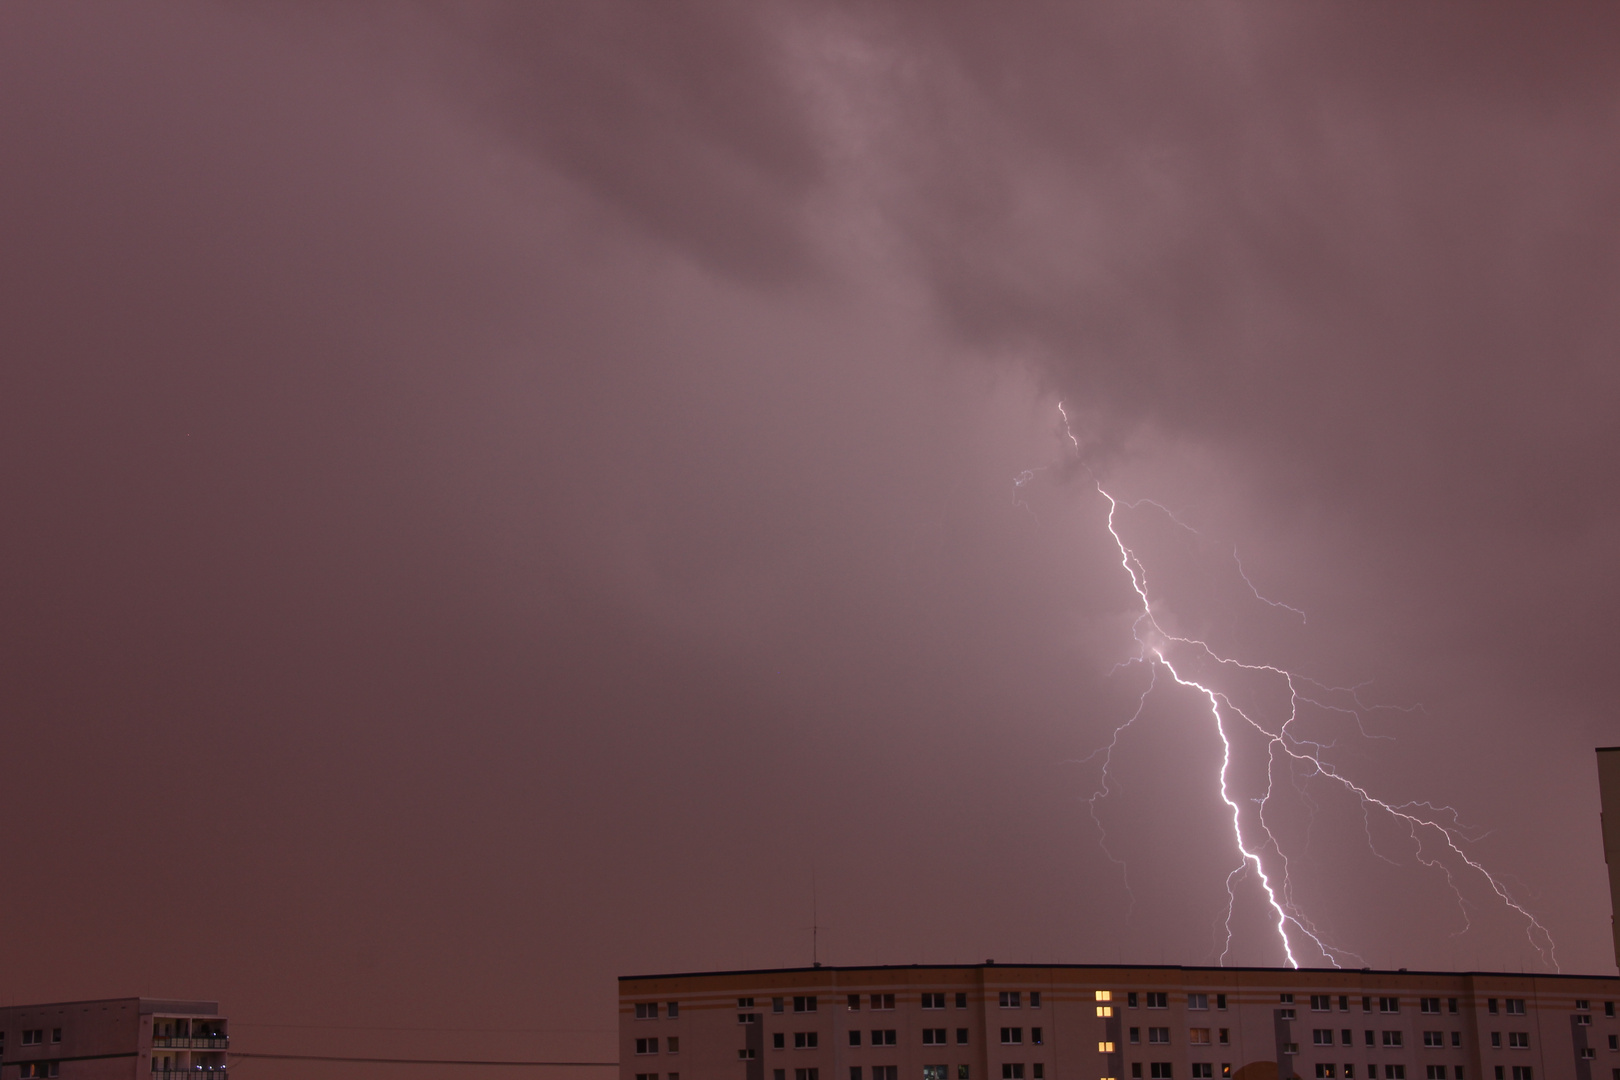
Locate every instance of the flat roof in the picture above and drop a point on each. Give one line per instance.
(1116, 967)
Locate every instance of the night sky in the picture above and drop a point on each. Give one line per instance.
(498, 496)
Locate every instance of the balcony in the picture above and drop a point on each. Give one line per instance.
(177, 1042)
(218, 1072)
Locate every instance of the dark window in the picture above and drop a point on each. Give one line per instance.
(1035, 1036)
(883, 1072)
(745, 1003)
(1159, 1035)
(1369, 1039)
(1389, 1004)
(1037, 1070)
(1158, 1000)
(1490, 1007)
(645, 1010)
(1582, 1005)
(961, 1001)
(855, 1006)
(1614, 1043)
(1130, 1000)
(1345, 1037)
(1011, 1036)
(1429, 1005)
(748, 1018)
(1496, 1039)
(1608, 1008)
(1321, 1003)
(778, 1041)
(1035, 1003)
(884, 1037)
(1225, 1036)
(1394, 1072)
(1136, 1035)
(33, 1036)
(1011, 999)
(854, 1036)
(1456, 1038)
(1392, 1038)
(1285, 999)
(854, 1073)
(1434, 1038)
(776, 1004)
(961, 1072)
(1451, 1005)
(1197, 1001)
(1522, 1072)
(1012, 1071)
(804, 1004)
(1437, 1072)
(1518, 1040)
(806, 1074)
(40, 1068)
(646, 1046)
(1322, 1036)
(805, 1040)
(1136, 1070)
(1220, 1001)
(674, 1043)
(882, 1001)
(961, 1036)
(56, 1033)
(1344, 1006)
(933, 1001)
(1203, 1070)
(1159, 1070)
(1514, 1006)
(933, 1036)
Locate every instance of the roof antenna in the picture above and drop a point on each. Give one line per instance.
(815, 922)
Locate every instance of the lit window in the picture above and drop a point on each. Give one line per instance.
(1105, 1048)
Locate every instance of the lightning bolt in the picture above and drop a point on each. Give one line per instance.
(1435, 832)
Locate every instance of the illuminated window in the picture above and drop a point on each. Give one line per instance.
(1105, 995)
(1324, 1071)
(1198, 1036)
(1105, 1010)
(1105, 1048)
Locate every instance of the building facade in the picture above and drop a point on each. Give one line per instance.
(116, 1039)
(1026, 1022)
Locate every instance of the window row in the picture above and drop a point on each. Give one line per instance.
(648, 1010)
(654, 1076)
(1014, 1070)
(32, 1069)
(1198, 1036)
(1516, 1040)
(36, 1036)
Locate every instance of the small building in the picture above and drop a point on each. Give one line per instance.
(115, 1039)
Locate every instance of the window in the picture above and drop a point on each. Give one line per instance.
(805, 1040)
(1012, 1071)
(1225, 1035)
(1366, 1006)
(673, 1043)
(1203, 1070)
(1389, 1004)
(1035, 1036)
(646, 1046)
(1197, 1001)
(933, 1001)
(1285, 1014)
(778, 1041)
(933, 1036)
(961, 1073)
(804, 1004)
(1451, 1006)
(1159, 1070)
(961, 1036)
(854, 1003)
(1220, 1002)
(1286, 999)
(1434, 1038)
(56, 1033)
(1105, 1048)
(1322, 1037)
(33, 1036)
(1582, 1005)
(1136, 1035)
(1581, 1020)
(806, 1074)
(1614, 1042)
(884, 1037)
(961, 1001)
(1130, 1000)
(1369, 1039)
(748, 1018)
(1158, 1000)
(1496, 1040)
(746, 1055)
(1349, 1072)
(1608, 1008)
(776, 1004)
(1490, 1007)
(1011, 1036)
(1394, 1072)
(1344, 1006)
(1198, 1036)
(1392, 1038)
(1344, 1037)
(883, 1072)
(882, 1001)
(1159, 1035)
(1429, 1005)
(1038, 1071)
(1522, 1072)
(1437, 1072)
(1035, 1003)
(745, 1003)
(40, 1068)
(1588, 1053)
(1321, 1003)
(645, 1010)
(854, 1036)
(1518, 1040)
(1136, 1070)
(1324, 1071)
(1515, 1006)
(1105, 1010)
(1011, 999)
(854, 1073)
(1290, 1048)
(936, 1072)
(1499, 1073)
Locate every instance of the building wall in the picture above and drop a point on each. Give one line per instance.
(708, 1035)
(100, 1040)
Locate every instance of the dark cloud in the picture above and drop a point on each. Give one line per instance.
(497, 495)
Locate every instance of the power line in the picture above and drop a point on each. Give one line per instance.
(433, 1061)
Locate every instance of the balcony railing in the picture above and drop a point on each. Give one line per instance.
(216, 1072)
(218, 1042)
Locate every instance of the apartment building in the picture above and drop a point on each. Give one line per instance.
(116, 1039)
(1075, 1022)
